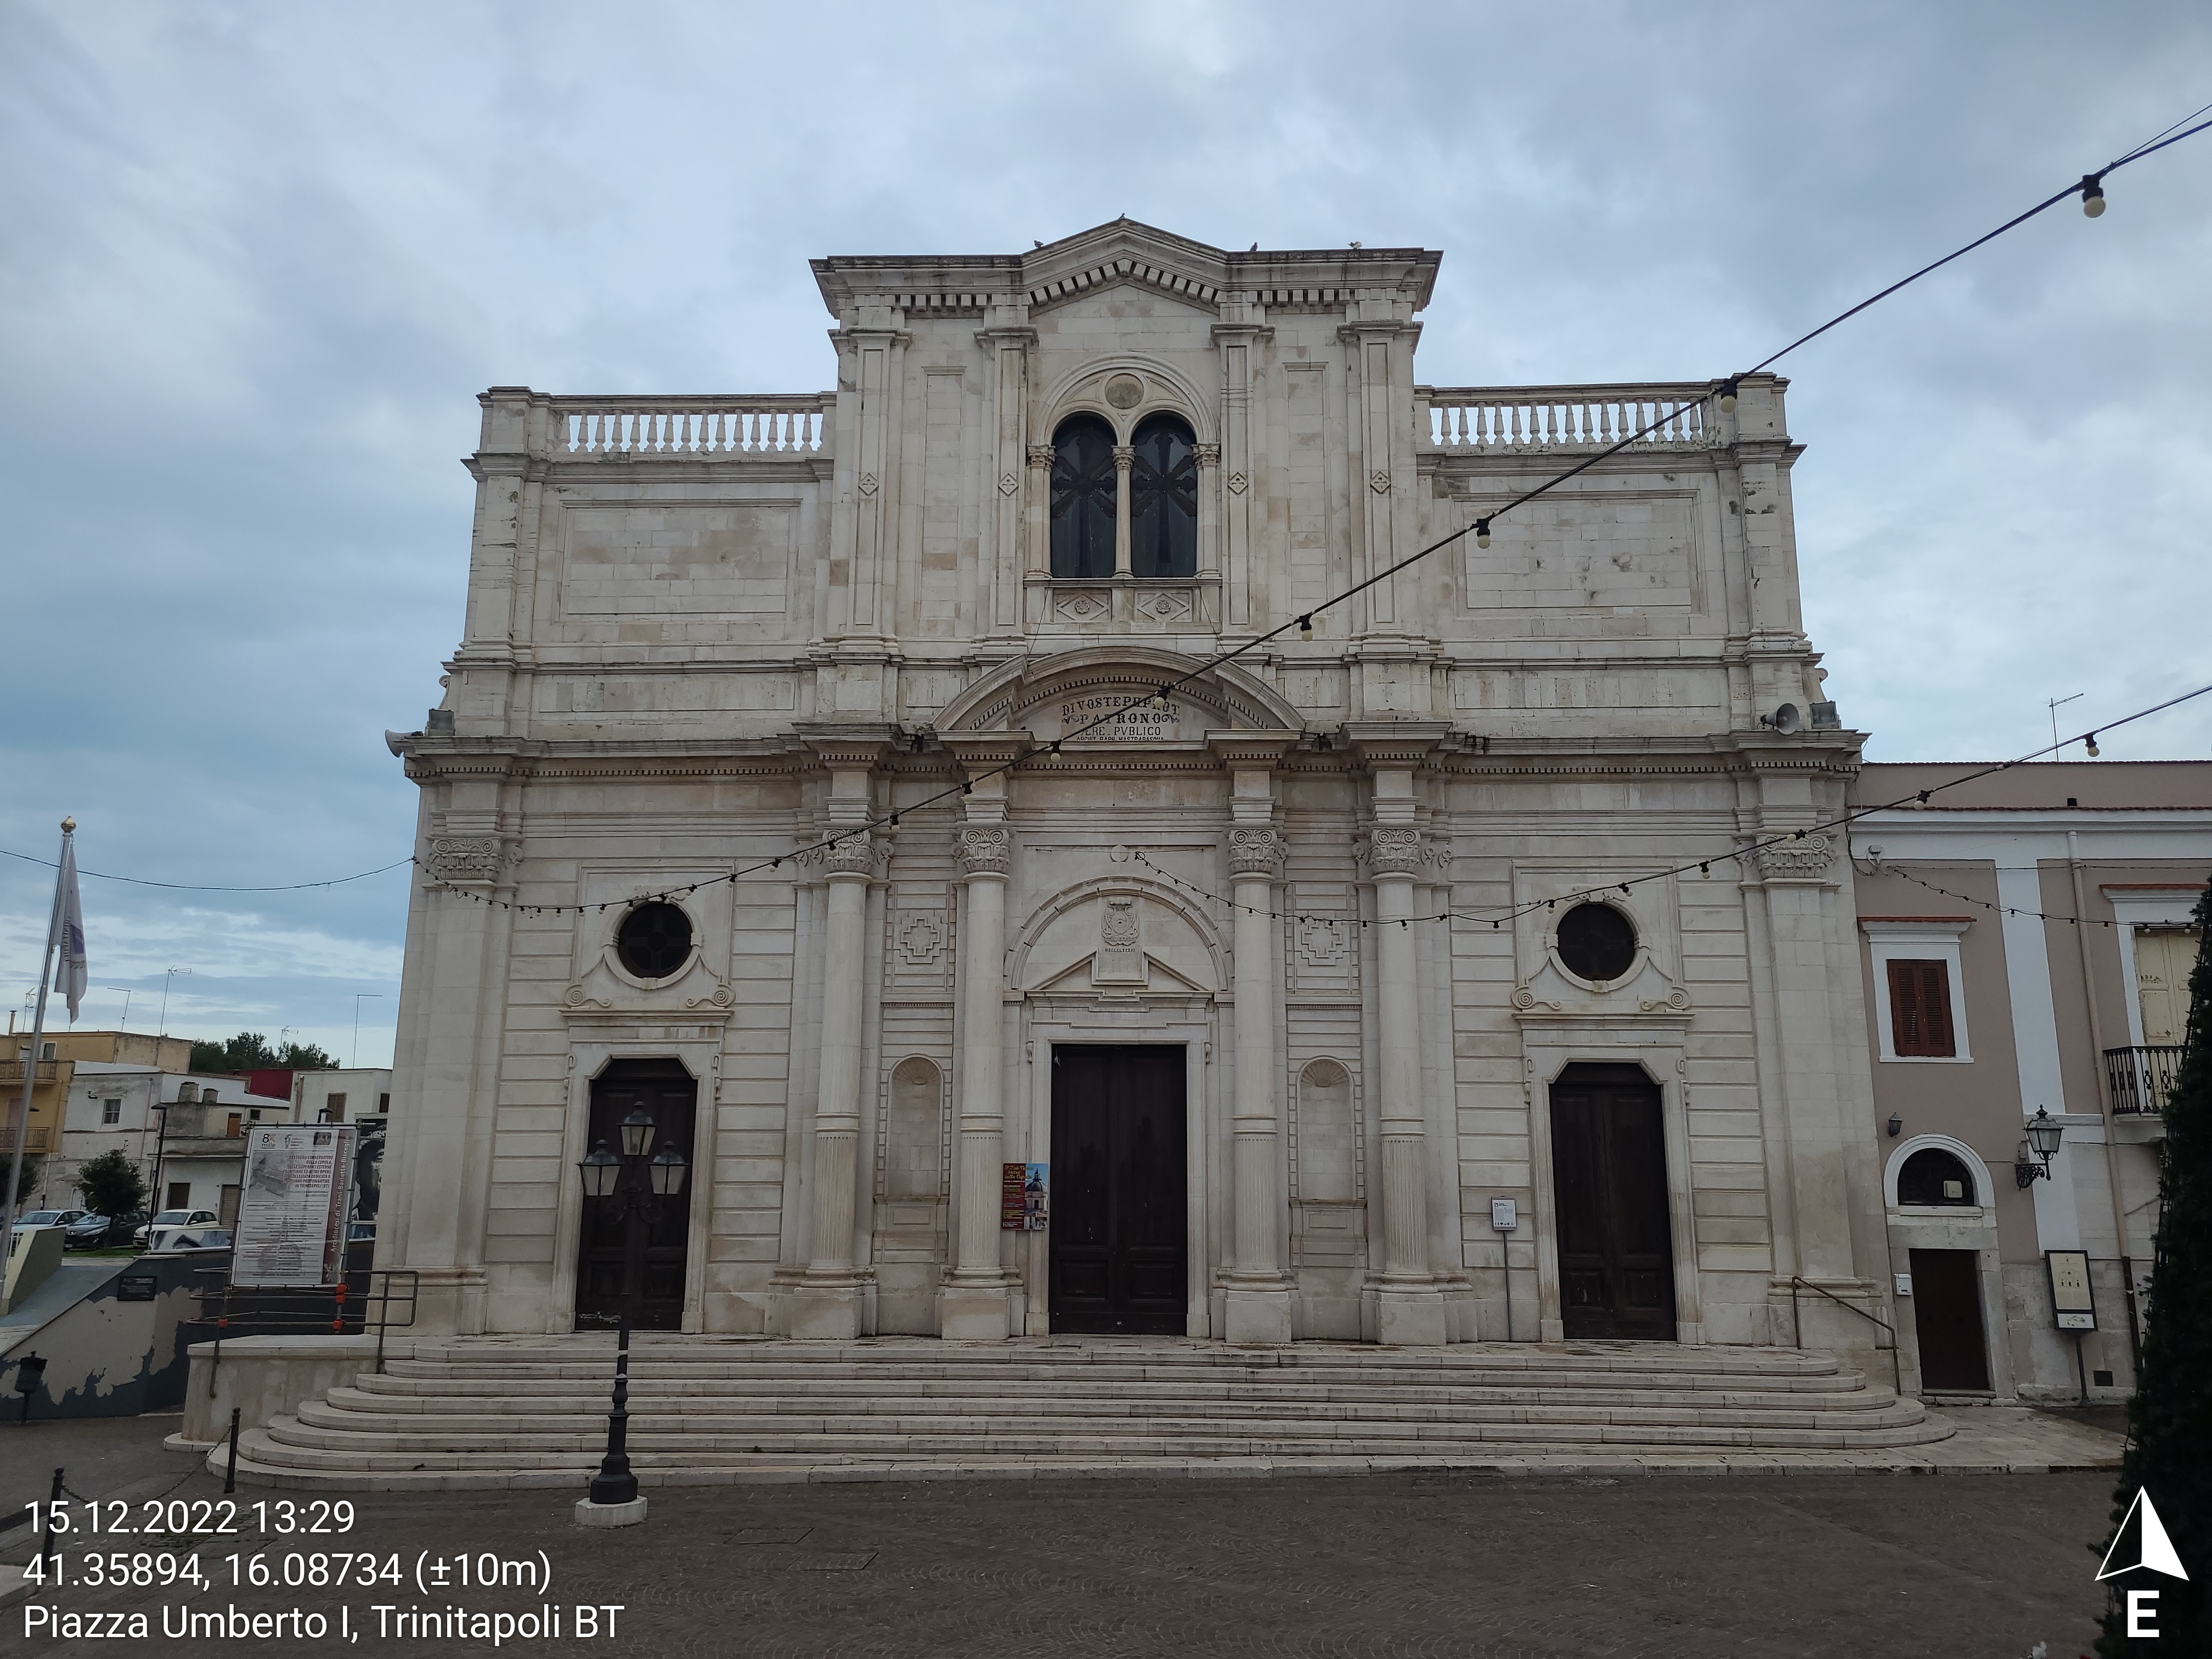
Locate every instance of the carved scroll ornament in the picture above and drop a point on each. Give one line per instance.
(985, 849)
(1394, 852)
(1255, 850)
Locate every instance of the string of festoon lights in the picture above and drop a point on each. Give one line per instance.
(1883, 868)
(2090, 190)
(1704, 866)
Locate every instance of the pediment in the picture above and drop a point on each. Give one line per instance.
(1048, 697)
(1126, 253)
(1117, 938)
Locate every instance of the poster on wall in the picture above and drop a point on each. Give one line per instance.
(292, 1214)
(1022, 1188)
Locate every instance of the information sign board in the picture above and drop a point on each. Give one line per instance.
(292, 1213)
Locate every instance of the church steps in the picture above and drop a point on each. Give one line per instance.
(535, 1412)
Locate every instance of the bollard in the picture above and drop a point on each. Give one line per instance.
(230, 1474)
(53, 1501)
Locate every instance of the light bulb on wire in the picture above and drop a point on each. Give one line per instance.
(2093, 195)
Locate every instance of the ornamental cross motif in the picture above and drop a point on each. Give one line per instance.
(920, 939)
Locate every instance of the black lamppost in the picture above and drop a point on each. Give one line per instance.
(636, 1182)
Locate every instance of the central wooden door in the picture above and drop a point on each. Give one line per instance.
(1946, 1317)
(644, 1264)
(1118, 1217)
(1609, 1175)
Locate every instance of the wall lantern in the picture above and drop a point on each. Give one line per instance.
(1896, 1126)
(2044, 1134)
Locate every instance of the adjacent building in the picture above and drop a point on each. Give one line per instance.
(54, 1075)
(2028, 941)
(1392, 981)
(186, 1131)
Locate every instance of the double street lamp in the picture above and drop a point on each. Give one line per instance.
(638, 1181)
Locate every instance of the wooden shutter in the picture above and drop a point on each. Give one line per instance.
(1920, 1009)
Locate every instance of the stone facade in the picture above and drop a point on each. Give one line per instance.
(707, 633)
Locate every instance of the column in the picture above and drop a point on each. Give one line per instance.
(829, 1301)
(975, 1302)
(1125, 462)
(1259, 1291)
(1409, 1306)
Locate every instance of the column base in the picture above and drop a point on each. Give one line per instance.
(1258, 1318)
(449, 1302)
(1413, 1317)
(824, 1310)
(975, 1313)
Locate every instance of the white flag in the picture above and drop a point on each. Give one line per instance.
(68, 964)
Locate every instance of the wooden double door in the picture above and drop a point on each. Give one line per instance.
(1119, 1220)
(1609, 1175)
(641, 1263)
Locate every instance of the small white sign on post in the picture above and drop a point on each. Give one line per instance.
(292, 1212)
(1505, 1214)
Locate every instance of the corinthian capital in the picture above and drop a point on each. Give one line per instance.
(854, 855)
(1040, 454)
(1394, 852)
(985, 849)
(1255, 850)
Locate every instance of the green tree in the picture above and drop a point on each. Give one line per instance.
(33, 1165)
(2169, 1451)
(111, 1184)
(250, 1051)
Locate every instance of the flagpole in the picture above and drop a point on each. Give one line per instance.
(31, 1054)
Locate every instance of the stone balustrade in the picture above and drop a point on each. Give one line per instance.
(784, 424)
(1513, 420)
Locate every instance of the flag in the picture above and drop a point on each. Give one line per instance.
(69, 963)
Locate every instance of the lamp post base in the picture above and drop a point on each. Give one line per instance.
(589, 1514)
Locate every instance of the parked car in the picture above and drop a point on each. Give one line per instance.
(192, 1238)
(150, 1236)
(124, 1229)
(88, 1232)
(47, 1218)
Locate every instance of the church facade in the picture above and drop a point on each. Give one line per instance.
(1417, 976)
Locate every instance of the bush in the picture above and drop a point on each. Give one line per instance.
(111, 1184)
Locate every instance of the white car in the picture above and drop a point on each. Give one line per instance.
(154, 1235)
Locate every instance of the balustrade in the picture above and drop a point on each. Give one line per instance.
(668, 428)
(1506, 419)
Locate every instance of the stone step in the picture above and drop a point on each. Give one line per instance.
(461, 1431)
(578, 1395)
(289, 1444)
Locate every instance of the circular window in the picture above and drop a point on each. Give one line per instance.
(1932, 1175)
(655, 941)
(1596, 942)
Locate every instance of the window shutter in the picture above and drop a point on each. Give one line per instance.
(1920, 1009)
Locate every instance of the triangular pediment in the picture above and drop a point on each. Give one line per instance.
(1126, 252)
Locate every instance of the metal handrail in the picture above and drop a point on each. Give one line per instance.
(1797, 1326)
(376, 1285)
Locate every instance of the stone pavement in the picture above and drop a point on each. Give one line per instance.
(1629, 1561)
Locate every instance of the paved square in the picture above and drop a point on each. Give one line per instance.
(1630, 1562)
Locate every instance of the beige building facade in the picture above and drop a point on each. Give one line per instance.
(2027, 939)
(1294, 982)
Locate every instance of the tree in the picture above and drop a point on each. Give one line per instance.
(33, 1165)
(111, 1184)
(2169, 1452)
(249, 1051)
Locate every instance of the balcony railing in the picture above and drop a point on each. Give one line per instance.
(675, 429)
(1523, 419)
(11, 1070)
(2140, 1079)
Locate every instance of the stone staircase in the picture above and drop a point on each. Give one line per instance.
(511, 1411)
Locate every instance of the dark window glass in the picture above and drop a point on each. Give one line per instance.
(1163, 499)
(655, 940)
(1596, 942)
(1932, 1175)
(1083, 492)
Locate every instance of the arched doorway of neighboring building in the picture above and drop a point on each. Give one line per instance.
(644, 1265)
(1609, 1181)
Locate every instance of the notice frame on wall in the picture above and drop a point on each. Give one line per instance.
(2071, 1301)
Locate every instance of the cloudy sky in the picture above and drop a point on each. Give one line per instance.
(258, 258)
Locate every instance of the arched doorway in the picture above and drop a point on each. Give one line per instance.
(1609, 1175)
(644, 1265)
